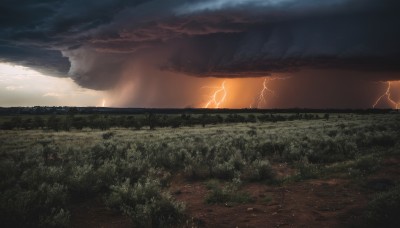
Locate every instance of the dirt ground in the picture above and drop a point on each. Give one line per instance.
(311, 203)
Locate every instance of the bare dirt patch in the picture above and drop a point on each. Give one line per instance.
(329, 203)
(313, 203)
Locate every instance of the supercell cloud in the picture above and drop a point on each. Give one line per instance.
(99, 43)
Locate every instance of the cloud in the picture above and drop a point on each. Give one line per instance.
(95, 41)
(13, 88)
(21, 86)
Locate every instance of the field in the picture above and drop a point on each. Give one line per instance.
(332, 170)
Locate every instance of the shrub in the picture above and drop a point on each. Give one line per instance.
(197, 166)
(224, 170)
(384, 209)
(197, 171)
(146, 204)
(83, 180)
(212, 184)
(218, 195)
(267, 198)
(252, 132)
(101, 152)
(42, 206)
(56, 218)
(54, 123)
(228, 194)
(271, 147)
(381, 140)
(258, 170)
(308, 171)
(108, 135)
(331, 150)
(364, 166)
(106, 174)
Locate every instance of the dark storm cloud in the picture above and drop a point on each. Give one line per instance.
(49, 62)
(94, 41)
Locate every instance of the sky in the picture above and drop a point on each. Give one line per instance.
(200, 53)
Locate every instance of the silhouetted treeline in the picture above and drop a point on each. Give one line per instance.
(137, 122)
(45, 110)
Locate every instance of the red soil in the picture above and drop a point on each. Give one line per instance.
(312, 203)
(328, 203)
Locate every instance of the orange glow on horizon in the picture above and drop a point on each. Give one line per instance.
(239, 92)
(216, 100)
(181, 91)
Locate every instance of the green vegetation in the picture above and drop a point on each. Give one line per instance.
(67, 122)
(384, 209)
(145, 203)
(228, 194)
(43, 173)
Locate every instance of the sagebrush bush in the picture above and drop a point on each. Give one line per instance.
(146, 203)
(258, 170)
(106, 174)
(224, 170)
(197, 170)
(384, 209)
(364, 166)
(83, 180)
(56, 218)
(107, 135)
(331, 150)
(308, 171)
(271, 148)
(230, 193)
(42, 206)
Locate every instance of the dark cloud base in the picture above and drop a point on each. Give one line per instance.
(95, 42)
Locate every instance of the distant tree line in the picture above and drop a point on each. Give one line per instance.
(149, 120)
(61, 110)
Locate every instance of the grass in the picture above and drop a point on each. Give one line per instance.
(267, 199)
(43, 172)
(228, 193)
(228, 196)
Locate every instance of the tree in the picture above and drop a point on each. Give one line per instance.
(175, 122)
(220, 119)
(203, 120)
(151, 120)
(53, 123)
(67, 123)
(27, 124)
(130, 122)
(138, 125)
(251, 118)
(39, 122)
(79, 122)
(16, 122)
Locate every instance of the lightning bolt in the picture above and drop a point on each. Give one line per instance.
(216, 99)
(103, 104)
(387, 94)
(266, 90)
